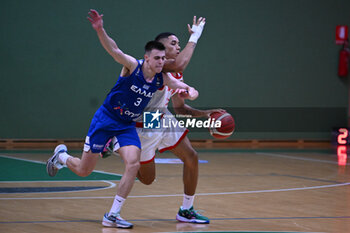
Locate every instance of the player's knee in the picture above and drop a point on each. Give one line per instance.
(146, 173)
(132, 166)
(147, 180)
(192, 157)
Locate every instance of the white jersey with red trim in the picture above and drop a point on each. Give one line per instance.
(161, 97)
(159, 139)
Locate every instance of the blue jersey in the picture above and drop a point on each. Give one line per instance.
(125, 102)
(130, 95)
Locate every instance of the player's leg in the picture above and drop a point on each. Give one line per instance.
(129, 150)
(131, 157)
(146, 173)
(81, 167)
(94, 142)
(188, 155)
(150, 139)
(85, 165)
(175, 140)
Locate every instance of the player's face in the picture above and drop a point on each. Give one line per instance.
(172, 47)
(156, 60)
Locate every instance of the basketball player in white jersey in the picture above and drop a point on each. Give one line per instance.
(173, 138)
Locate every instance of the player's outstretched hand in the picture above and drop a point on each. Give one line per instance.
(196, 24)
(196, 29)
(95, 19)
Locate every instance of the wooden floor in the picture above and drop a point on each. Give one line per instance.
(247, 190)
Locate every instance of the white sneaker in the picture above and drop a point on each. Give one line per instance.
(115, 220)
(53, 165)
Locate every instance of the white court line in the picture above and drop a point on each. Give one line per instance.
(298, 158)
(40, 162)
(55, 181)
(111, 185)
(27, 160)
(180, 195)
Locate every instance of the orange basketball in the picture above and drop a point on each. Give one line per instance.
(227, 125)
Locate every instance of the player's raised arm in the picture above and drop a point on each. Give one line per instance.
(180, 63)
(108, 43)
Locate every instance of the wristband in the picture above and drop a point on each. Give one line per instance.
(193, 38)
(197, 32)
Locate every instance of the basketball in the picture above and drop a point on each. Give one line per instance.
(227, 125)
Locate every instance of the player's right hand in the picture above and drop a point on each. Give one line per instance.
(95, 19)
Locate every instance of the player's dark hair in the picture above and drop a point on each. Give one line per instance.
(154, 45)
(164, 35)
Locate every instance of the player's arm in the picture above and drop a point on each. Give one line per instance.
(109, 44)
(182, 89)
(180, 107)
(180, 63)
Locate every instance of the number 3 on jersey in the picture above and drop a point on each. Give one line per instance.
(138, 101)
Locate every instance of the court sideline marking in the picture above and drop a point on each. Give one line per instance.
(111, 185)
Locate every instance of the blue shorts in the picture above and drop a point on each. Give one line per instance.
(103, 127)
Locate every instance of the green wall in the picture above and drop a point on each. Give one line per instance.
(272, 64)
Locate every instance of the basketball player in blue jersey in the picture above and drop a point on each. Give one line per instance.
(174, 138)
(135, 87)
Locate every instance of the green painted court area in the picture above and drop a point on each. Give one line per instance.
(13, 169)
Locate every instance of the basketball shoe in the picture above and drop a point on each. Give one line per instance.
(191, 216)
(115, 220)
(53, 165)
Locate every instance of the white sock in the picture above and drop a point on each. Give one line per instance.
(187, 202)
(117, 205)
(62, 158)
